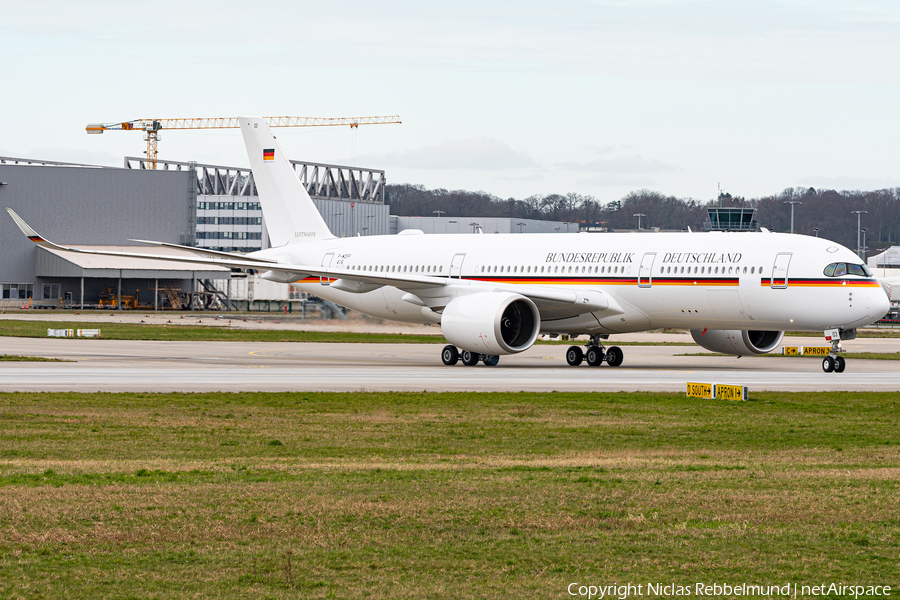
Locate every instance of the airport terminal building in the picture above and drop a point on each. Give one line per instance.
(186, 203)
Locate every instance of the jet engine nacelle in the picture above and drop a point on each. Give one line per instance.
(736, 341)
(491, 323)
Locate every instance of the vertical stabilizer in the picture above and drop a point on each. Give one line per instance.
(291, 217)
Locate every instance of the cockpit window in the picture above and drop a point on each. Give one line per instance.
(841, 269)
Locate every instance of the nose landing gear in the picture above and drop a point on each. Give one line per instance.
(595, 354)
(834, 363)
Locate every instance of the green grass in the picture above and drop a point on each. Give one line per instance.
(223, 333)
(15, 358)
(391, 495)
(846, 355)
(208, 333)
(860, 333)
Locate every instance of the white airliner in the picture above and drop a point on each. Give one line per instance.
(494, 294)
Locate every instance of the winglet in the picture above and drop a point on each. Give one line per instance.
(28, 231)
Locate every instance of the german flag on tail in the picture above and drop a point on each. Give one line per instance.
(269, 154)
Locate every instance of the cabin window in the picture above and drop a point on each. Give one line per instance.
(760, 270)
(752, 269)
(555, 269)
(745, 270)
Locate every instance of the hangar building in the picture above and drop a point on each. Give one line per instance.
(186, 203)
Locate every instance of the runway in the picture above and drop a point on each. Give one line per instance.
(152, 366)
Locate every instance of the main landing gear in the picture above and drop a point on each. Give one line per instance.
(450, 356)
(834, 363)
(595, 354)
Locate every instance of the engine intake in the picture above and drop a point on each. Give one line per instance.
(736, 341)
(491, 323)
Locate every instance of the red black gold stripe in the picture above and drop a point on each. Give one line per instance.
(821, 282)
(656, 281)
(269, 154)
(35, 238)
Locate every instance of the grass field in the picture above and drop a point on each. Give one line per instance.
(846, 355)
(441, 495)
(223, 333)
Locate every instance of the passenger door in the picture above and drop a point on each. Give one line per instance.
(780, 270)
(645, 272)
(326, 262)
(456, 265)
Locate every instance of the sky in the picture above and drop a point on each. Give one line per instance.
(518, 98)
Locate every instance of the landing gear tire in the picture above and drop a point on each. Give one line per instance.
(614, 356)
(491, 360)
(450, 355)
(594, 356)
(828, 364)
(470, 359)
(574, 356)
(839, 364)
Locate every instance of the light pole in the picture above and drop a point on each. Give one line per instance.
(864, 245)
(792, 203)
(521, 226)
(817, 232)
(439, 212)
(859, 214)
(639, 215)
(474, 226)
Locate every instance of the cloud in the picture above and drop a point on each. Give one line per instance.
(848, 182)
(621, 165)
(478, 153)
(616, 180)
(601, 150)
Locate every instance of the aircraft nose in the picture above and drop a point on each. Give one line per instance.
(879, 303)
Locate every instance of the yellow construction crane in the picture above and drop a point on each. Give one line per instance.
(152, 127)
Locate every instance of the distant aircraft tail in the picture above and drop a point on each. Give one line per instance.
(289, 212)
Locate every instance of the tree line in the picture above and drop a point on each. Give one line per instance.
(829, 211)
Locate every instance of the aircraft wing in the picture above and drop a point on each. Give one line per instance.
(206, 252)
(435, 292)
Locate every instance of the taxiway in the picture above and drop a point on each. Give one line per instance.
(154, 366)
